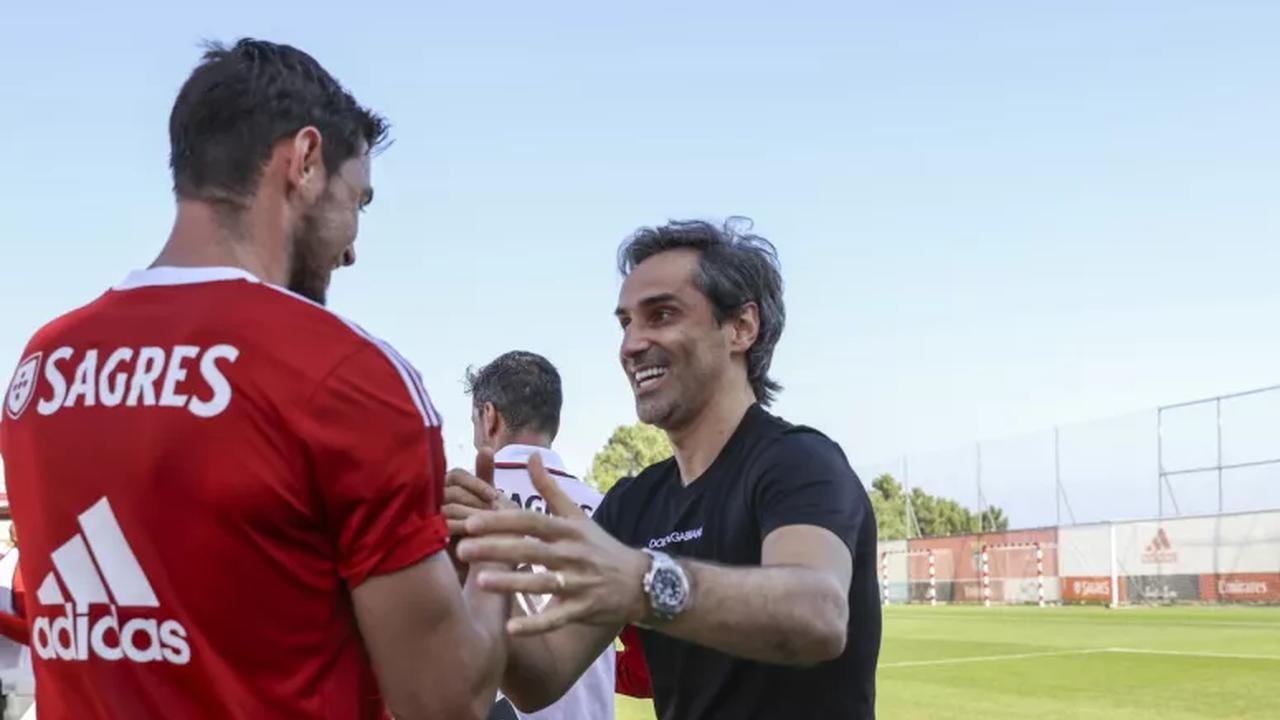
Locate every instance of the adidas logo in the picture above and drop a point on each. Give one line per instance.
(97, 567)
(1159, 550)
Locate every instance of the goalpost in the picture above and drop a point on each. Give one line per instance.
(932, 593)
(917, 576)
(1016, 573)
(958, 570)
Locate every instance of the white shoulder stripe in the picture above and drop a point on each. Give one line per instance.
(409, 375)
(416, 377)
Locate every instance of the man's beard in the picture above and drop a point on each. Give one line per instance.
(683, 397)
(308, 271)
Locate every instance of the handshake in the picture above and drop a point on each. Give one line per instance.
(591, 577)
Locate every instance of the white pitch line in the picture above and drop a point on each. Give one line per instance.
(980, 614)
(1190, 653)
(992, 658)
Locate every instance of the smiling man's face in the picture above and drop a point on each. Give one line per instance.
(674, 352)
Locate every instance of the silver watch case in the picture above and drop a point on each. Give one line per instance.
(667, 586)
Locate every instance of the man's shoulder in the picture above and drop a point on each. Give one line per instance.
(247, 313)
(782, 445)
(634, 490)
(283, 343)
(579, 490)
(294, 325)
(67, 325)
(775, 434)
(653, 475)
(514, 477)
(307, 341)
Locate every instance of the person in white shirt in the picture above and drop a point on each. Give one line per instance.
(17, 674)
(516, 401)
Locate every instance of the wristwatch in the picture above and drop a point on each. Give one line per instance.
(667, 586)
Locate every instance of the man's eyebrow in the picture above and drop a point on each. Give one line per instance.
(649, 301)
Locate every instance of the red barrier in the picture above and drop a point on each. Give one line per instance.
(1241, 587)
(1090, 589)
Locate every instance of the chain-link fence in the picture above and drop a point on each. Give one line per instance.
(1215, 455)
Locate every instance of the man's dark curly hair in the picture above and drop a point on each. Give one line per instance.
(524, 388)
(243, 99)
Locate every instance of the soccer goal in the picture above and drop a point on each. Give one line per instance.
(919, 575)
(914, 586)
(1019, 573)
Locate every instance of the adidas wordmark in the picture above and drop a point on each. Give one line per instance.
(97, 567)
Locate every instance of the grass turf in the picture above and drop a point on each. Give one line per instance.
(1074, 662)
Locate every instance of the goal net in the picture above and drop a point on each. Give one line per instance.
(1019, 573)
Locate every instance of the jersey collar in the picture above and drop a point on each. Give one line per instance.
(168, 275)
(520, 454)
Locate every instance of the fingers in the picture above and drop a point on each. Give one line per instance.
(508, 550)
(505, 503)
(558, 502)
(555, 616)
(456, 515)
(521, 522)
(484, 466)
(533, 583)
(458, 495)
(463, 480)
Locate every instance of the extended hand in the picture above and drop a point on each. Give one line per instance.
(596, 579)
(466, 494)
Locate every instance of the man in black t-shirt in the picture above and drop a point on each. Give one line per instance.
(748, 558)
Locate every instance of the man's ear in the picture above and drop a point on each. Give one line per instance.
(306, 172)
(744, 328)
(492, 421)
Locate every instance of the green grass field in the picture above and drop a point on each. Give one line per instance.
(1075, 662)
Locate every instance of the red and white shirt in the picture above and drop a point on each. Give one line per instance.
(592, 695)
(201, 466)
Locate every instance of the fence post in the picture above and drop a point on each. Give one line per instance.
(1115, 574)
(1057, 481)
(884, 576)
(986, 578)
(978, 478)
(1039, 576)
(933, 586)
(1218, 410)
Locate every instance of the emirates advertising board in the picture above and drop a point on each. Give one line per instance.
(1227, 558)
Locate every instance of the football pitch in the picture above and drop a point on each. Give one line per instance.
(1073, 662)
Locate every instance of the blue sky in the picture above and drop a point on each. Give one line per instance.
(991, 216)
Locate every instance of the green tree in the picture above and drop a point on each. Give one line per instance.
(941, 516)
(935, 516)
(993, 518)
(629, 450)
(890, 507)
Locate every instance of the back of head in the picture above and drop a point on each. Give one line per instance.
(243, 99)
(525, 390)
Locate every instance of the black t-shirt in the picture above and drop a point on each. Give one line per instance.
(770, 474)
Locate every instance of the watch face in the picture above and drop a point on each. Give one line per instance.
(668, 590)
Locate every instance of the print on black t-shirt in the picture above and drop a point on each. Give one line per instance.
(769, 475)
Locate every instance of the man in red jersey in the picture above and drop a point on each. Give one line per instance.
(229, 497)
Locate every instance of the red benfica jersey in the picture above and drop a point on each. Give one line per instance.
(201, 467)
